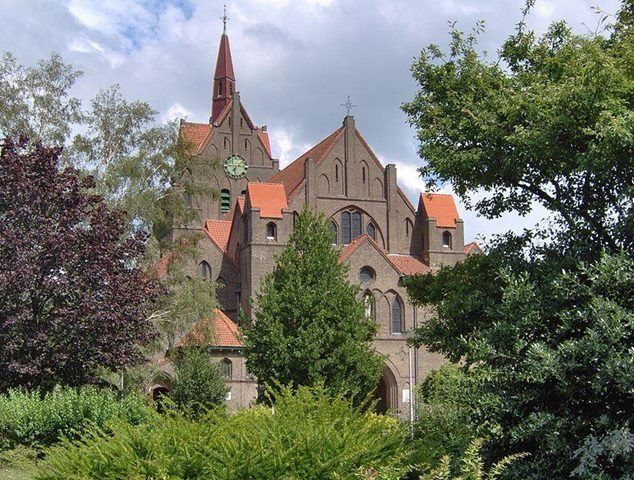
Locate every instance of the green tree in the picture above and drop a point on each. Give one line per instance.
(199, 384)
(310, 327)
(549, 121)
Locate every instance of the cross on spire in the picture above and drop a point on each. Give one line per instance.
(224, 19)
(348, 105)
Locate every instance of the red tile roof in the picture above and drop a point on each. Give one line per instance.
(217, 331)
(403, 264)
(270, 198)
(218, 231)
(292, 176)
(264, 138)
(196, 133)
(409, 264)
(472, 248)
(440, 206)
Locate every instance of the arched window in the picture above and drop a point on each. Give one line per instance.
(363, 174)
(336, 172)
(226, 142)
(187, 198)
(446, 239)
(204, 270)
(397, 315)
(241, 122)
(333, 232)
(221, 291)
(371, 230)
(369, 306)
(356, 225)
(346, 232)
(243, 193)
(271, 231)
(225, 201)
(367, 275)
(246, 145)
(295, 219)
(408, 227)
(226, 368)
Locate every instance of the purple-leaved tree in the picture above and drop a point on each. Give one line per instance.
(73, 296)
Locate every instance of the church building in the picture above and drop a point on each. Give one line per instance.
(379, 232)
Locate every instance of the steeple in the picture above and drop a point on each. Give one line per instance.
(224, 78)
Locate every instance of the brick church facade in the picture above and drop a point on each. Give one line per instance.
(380, 233)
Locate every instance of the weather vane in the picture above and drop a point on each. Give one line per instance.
(224, 19)
(348, 105)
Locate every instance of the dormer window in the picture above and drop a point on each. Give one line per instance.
(446, 240)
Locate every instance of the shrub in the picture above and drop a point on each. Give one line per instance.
(35, 420)
(306, 435)
(199, 384)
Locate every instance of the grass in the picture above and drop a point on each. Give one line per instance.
(14, 473)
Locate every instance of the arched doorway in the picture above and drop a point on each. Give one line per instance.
(386, 393)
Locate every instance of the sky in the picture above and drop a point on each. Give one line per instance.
(295, 61)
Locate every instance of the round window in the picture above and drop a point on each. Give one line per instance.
(367, 275)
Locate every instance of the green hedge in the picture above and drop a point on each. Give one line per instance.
(308, 435)
(35, 420)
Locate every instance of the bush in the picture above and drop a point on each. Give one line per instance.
(33, 420)
(199, 384)
(307, 435)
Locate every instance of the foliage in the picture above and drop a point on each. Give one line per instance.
(471, 466)
(199, 384)
(140, 166)
(550, 121)
(34, 420)
(71, 296)
(553, 346)
(309, 435)
(444, 425)
(310, 326)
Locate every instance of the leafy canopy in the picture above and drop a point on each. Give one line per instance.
(310, 326)
(72, 295)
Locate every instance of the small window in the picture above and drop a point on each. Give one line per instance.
(363, 174)
(241, 122)
(371, 230)
(367, 275)
(226, 142)
(187, 198)
(369, 306)
(346, 231)
(408, 227)
(204, 270)
(243, 193)
(397, 315)
(246, 144)
(356, 225)
(295, 219)
(333, 232)
(238, 296)
(220, 88)
(446, 240)
(225, 201)
(271, 231)
(226, 369)
(336, 172)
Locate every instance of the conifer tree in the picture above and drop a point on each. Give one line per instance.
(310, 326)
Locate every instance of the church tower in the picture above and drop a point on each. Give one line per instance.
(224, 78)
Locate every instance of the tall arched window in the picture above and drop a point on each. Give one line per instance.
(363, 174)
(356, 225)
(204, 270)
(369, 306)
(226, 142)
(346, 232)
(271, 231)
(371, 230)
(397, 315)
(336, 172)
(446, 239)
(225, 201)
(226, 368)
(333, 232)
(408, 227)
(187, 198)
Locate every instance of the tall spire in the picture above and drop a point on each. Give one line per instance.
(224, 78)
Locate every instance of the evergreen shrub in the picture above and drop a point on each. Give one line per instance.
(305, 435)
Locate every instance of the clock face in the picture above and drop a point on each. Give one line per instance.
(236, 166)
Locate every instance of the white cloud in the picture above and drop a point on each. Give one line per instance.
(175, 112)
(454, 7)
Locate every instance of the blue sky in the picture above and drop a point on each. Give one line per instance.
(295, 61)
